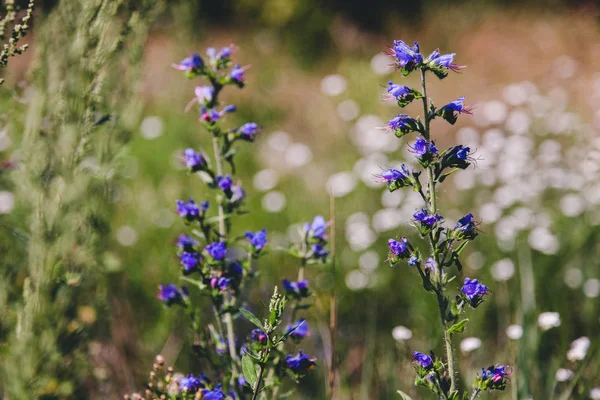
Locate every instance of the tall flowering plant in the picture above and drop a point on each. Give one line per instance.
(243, 366)
(439, 264)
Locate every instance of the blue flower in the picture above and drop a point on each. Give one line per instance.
(427, 219)
(457, 157)
(204, 94)
(317, 229)
(413, 260)
(224, 182)
(204, 205)
(258, 240)
(170, 294)
(451, 110)
(431, 265)
(439, 64)
(249, 130)
(397, 91)
(406, 58)
(465, 228)
(296, 289)
(217, 250)
(190, 64)
(194, 160)
(216, 394)
(219, 56)
(301, 363)
(190, 384)
(423, 147)
(237, 74)
(423, 360)
(402, 124)
(189, 210)
(394, 178)
(237, 194)
(186, 242)
(222, 283)
(258, 335)
(494, 377)
(189, 261)
(473, 289)
(399, 248)
(319, 252)
(299, 330)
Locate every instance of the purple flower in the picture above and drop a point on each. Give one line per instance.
(402, 124)
(299, 330)
(237, 73)
(473, 289)
(301, 363)
(457, 157)
(190, 64)
(423, 360)
(249, 130)
(431, 265)
(186, 242)
(495, 375)
(413, 260)
(317, 229)
(188, 210)
(465, 228)
(258, 335)
(439, 64)
(296, 289)
(397, 91)
(406, 58)
(237, 194)
(189, 261)
(319, 252)
(204, 205)
(190, 384)
(222, 55)
(222, 283)
(170, 294)
(217, 250)
(399, 248)
(427, 219)
(204, 94)
(423, 147)
(451, 110)
(258, 240)
(216, 394)
(394, 178)
(194, 160)
(230, 108)
(224, 182)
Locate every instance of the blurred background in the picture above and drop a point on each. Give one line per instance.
(315, 86)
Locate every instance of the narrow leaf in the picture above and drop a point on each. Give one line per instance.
(249, 371)
(251, 317)
(459, 326)
(404, 395)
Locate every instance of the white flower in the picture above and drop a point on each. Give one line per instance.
(579, 349)
(514, 332)
(401, 333)
(469, 344)
(595, 393)
(563, 375)
(548, 320)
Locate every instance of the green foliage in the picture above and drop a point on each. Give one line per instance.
(18, 31)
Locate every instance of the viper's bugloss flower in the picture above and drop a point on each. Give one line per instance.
(204, 94)
(191, 64)
(189, 210)
(424, 151)
(398, 249)
(217, 57)
(237, 73)
(413, 260)
(465, 228)
(217, 250)
(317, 229)
(430, 265)
(258, 239)
(249, 130)
(258, 335)
(221, 283)
(224, 182)
(204, 205)
(194, 160)
(190, 384)
(402, 124)
(299, 330)
(473, 289)
(439, 64)
(457, 157)
(189, 261)
(423, 360)
(494, 377)
(319, 252)
(237, 194)
(402, 94)
(406, 58)
(451, 110)
(296, 289)
(426, 219)
(171, 294)
(300, 363)
(186, 242)
(394, 178)
(215, 394)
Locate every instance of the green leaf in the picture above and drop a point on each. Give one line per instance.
(249, 371)
(251, 317)
(404, 395)
(459, 326)
(194, 282)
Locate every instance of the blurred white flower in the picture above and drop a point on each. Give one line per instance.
(381, 64)
(391, 199)
(468, 136)
(542, 240)
(298, 155)
(401, 333)
(503, 270)
(279, 141)
(265, 180)
(469, 344)
(563, 375)
(548, 320)
(333, 85)
(356, 280)
(369, 137)
(565, 67)
(359, 235)
(475, 260)
(573, 277)
(341, 184)
(518, 122)
(348, 110)
(368, 261)
(595, 393)
(7, 202)
(127, 236)
(515, 94)
(579, 348)
(490, 213)
(514, 332)
(152, 127)
(591, 288)
(274, 202)
(572, 205)
(387, 219)
(495, 111)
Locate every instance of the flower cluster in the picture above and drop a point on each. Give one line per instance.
(215, 272)
(445, 243)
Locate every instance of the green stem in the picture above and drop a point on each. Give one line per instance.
(260, 375)
(447, 337)
(475, 394)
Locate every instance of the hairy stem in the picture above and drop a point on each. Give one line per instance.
(442, 301)
(260, 375)
(475, 394)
